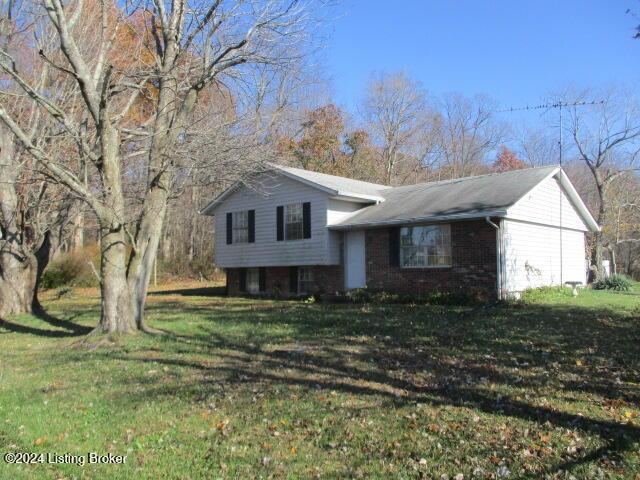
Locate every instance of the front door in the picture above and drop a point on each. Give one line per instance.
(355, 274)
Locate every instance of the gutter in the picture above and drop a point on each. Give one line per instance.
(403, 221)
(499, 254)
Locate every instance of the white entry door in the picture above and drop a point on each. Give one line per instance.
(355, 274)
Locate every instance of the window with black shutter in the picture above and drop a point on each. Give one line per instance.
(243, 280)
(306, 220)
(263, 279)
(293, 279)
(252, 226)
(229, 228)
(394, 247)
(280, 223)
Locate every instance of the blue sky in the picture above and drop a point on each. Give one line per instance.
(515, 51)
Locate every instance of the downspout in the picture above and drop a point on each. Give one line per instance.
(498, 257)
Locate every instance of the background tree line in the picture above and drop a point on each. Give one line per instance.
(118, 121)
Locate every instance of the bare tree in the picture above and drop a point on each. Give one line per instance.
(623, 226)
(606, 138)
(175, 54)
(396, 112)
(537, 147)
(468, 134)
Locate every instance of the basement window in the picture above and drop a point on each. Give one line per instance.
(253, 280)
(305, 279)
(424, 246)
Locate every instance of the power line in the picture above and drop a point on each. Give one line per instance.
(549, 106)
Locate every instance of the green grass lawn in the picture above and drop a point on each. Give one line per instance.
(244, 388)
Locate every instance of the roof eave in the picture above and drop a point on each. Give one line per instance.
(211, 206)
(357, 197)
(433, 218)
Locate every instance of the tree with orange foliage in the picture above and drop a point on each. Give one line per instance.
(507, 160)
(324, 145)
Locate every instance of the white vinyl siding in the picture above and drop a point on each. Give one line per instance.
(543, 205)
(533, 256)
(338, 210)
(272, 192)
(537, 251)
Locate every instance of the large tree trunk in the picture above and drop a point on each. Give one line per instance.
(18, 273)
(597, 254)
(42, 257)
(17, 263)
(168, 126)
(116, 305)
(147, 241)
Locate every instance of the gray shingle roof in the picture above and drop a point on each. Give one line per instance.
(339, 185)
(450, 198)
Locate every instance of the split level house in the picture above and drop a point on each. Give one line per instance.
(290, 231)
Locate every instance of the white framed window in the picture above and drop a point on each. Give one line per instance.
(425, 246)
(253, 280)
(293, 222)
(305, 279)
(240, 227)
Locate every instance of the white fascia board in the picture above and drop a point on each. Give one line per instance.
(357, 197)
(406, 221)
(211, 206)
(583, 210)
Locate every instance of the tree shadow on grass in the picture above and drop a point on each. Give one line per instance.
(193, 292)
(64, 327)
(407, 355)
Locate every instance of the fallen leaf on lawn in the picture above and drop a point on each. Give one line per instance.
(222, 425)
(39, 441)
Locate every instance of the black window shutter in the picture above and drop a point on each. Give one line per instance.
(306, 220)
(243, 279)
(394, 247)
(293, 279)
(280, 223)
(229, 228)
(252, 225)
(262, 275)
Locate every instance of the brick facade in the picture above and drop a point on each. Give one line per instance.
(327, 279)
(473, 254)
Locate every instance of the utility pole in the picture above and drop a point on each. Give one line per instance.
(550, 106)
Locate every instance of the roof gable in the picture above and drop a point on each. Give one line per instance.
(334, 185)
(338, 187)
